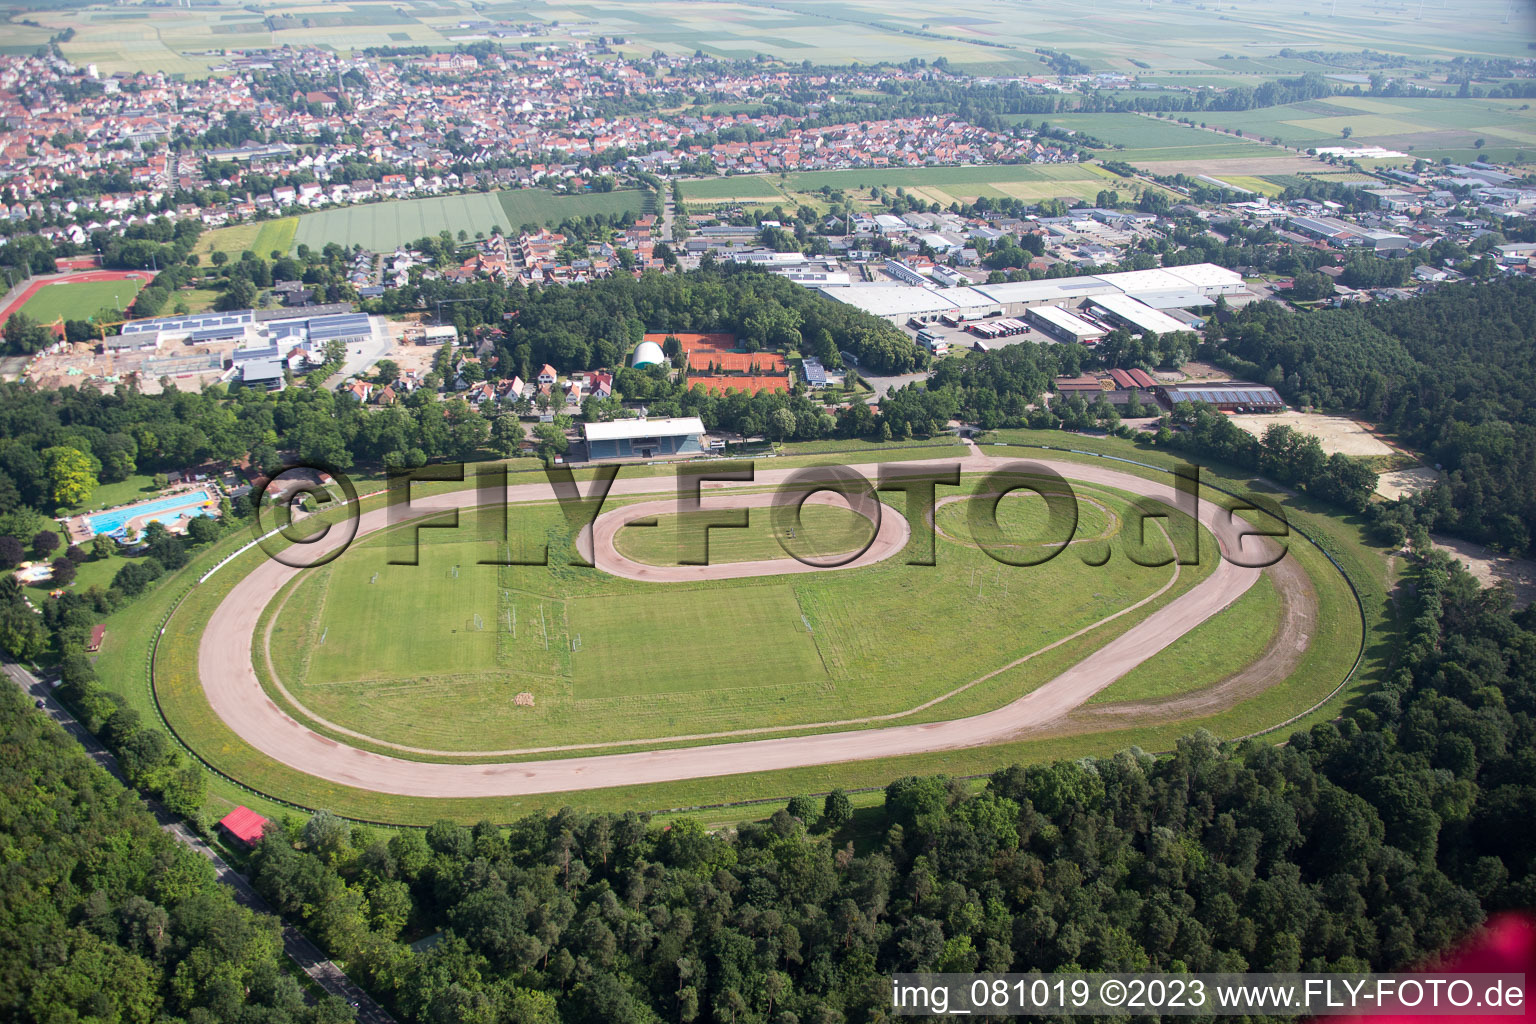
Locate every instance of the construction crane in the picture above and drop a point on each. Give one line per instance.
(102, 328)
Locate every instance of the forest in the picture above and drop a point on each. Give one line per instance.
(1449, 373)
(104, 917)
(594, 324)
(1365, 843)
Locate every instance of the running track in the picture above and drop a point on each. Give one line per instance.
(37, 284)
(236, 696)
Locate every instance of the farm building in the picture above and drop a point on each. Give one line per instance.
(1064, 325)
(644, 439)
(1228, 396)
(243, 825)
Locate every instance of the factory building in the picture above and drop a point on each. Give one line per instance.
(1164, 289)
(1134, 315)
(1064, 325)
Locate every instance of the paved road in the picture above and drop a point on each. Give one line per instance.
(668, 212)
(361, 357)
(885, 385)
(299, 949)
(229, 681)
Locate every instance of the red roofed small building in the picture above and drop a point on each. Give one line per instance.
(243, 825)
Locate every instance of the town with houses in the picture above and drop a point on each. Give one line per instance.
(289, 131)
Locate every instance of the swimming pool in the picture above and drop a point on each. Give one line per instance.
(165, 510)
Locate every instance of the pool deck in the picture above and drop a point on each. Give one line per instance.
(79, 526)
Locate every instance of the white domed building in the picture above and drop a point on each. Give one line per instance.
(648, 353)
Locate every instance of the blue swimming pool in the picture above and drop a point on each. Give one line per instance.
(164, 510)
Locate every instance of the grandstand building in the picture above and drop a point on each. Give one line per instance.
(644, 439)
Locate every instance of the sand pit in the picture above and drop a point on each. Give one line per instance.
(1490, 567)
(1401, 482)
(1337, 433)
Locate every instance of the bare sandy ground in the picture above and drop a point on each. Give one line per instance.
(236, 696)
(1337, 433)
(1398, 482)
(1490, 567)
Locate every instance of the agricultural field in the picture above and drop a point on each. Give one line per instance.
(262, 237)
(1166, 43)
(80, 298)
(608, 659)
(943, 185)
(989, 37)
(1425, 127)
(540, 207)
(1147, 139)
(381, 227)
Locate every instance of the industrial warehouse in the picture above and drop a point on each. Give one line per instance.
(1137, 300)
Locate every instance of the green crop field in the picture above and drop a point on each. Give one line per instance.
(1149, 140)
(80, 299)
(1426, 127)
(381, 227)
(735, 186)
(612, 660)
(1177, 44)
(261, 237)
(540, 207)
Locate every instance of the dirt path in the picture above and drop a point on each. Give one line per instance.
(1298, 623)
(235, 694)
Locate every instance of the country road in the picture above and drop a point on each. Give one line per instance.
(299, 949)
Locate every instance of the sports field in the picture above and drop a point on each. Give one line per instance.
(608, 659)
(81, 298)
(381, 227)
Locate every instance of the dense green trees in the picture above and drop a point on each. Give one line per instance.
(1448, 372)
(1364, 843)
(578, 328)
(103, 917)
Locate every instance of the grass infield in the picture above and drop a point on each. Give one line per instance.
(123, 665)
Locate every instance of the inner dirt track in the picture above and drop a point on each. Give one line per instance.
(225, 665)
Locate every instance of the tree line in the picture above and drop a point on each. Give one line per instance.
(1363, 844)
(104, 917)
(1447, 372)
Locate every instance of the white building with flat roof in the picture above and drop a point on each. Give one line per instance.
(1064, 325)
(1135, 315)
(1198, 284)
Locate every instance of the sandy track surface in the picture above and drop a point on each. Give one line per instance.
(236, 696)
